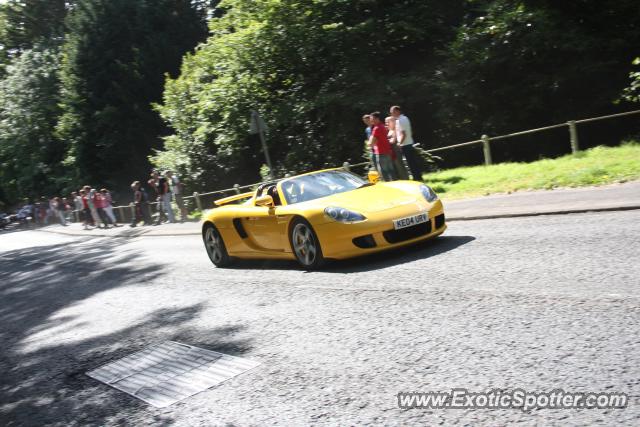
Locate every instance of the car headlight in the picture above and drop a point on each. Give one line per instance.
(428, 193)
(343, 215)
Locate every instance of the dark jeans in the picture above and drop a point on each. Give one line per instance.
(385, 167)
(413, 160)
(141, 214)
(104, 217)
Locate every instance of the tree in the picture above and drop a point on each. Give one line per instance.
(30, 157)
(116, 54)
(24, 23)
(632, 93)
(517, 65)
(310, 68)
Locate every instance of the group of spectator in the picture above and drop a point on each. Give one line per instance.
(165, 187)
(94, 208)
(388, 141)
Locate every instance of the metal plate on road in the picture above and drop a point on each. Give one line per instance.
(169, 372)
(410, 220)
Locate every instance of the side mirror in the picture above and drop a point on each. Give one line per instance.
(373, 176)
(265, 200)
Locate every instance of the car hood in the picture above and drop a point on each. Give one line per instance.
(375, 198)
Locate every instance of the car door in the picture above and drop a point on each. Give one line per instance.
(265, 228)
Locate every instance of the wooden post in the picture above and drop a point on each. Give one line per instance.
(133, 212)
(346, 166)
(487, 150)
(198, 202)
(77, 215)
(122, 217)
(236, 188)
(573, 133)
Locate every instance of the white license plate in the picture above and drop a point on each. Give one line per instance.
(410, 220)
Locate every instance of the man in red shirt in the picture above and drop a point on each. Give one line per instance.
(381, 147)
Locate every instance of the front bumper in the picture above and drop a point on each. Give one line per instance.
(339, 240)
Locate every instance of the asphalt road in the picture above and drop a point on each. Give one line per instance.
(535, 303)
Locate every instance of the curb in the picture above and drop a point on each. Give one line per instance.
(121, 236)
(558, 212)
(452, 219)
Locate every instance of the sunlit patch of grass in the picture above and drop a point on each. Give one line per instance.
(596, 166)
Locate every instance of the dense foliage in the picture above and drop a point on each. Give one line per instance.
(89, 89)
(30, 155)
(78, 81)
(115, 55)
(310, 68)
(459, 68)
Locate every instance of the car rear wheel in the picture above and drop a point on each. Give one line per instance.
(215, 247)
(305, 244)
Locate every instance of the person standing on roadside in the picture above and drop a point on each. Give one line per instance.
(86, 210)
(176, 190)
(381, 147)
(165, 187)
(153, 185)
(404, 136)
(59, 210)
(108, 206)
(366, 119)
(77, 204)
(164, 196)
(141, 205)
(91, 200)
(398, 164)
(99, 204)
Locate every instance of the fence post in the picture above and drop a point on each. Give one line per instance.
(77, 215)
(487, 150)
(346, 166)
(122, 217)
(198, 202)
(133, 212)
(573, 133)
(236, 188)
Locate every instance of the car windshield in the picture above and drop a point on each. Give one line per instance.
(321, 184)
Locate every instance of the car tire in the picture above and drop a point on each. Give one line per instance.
(305, 244)
(214, 245)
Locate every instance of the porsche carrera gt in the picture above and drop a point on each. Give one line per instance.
(328, 214)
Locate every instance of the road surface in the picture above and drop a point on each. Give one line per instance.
(536, 303)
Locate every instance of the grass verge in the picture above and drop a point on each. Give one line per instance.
(596, 166)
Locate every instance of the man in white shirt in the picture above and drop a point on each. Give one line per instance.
(176, 189)
(404, 137)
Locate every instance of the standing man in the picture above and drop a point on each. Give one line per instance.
(176, 189)
(164, 195)
(366, 119)
(404, 137)
(77, 204)
(381, 147)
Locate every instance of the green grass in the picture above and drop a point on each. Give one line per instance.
(596, 166)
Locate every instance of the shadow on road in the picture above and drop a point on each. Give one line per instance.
(419, 251)
(375, 261)
(44, 381)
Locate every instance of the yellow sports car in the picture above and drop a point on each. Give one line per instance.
(329, 214)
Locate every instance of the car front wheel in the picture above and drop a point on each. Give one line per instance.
(215, 247)
(305, 244)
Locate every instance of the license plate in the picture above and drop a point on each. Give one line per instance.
(410, 220)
